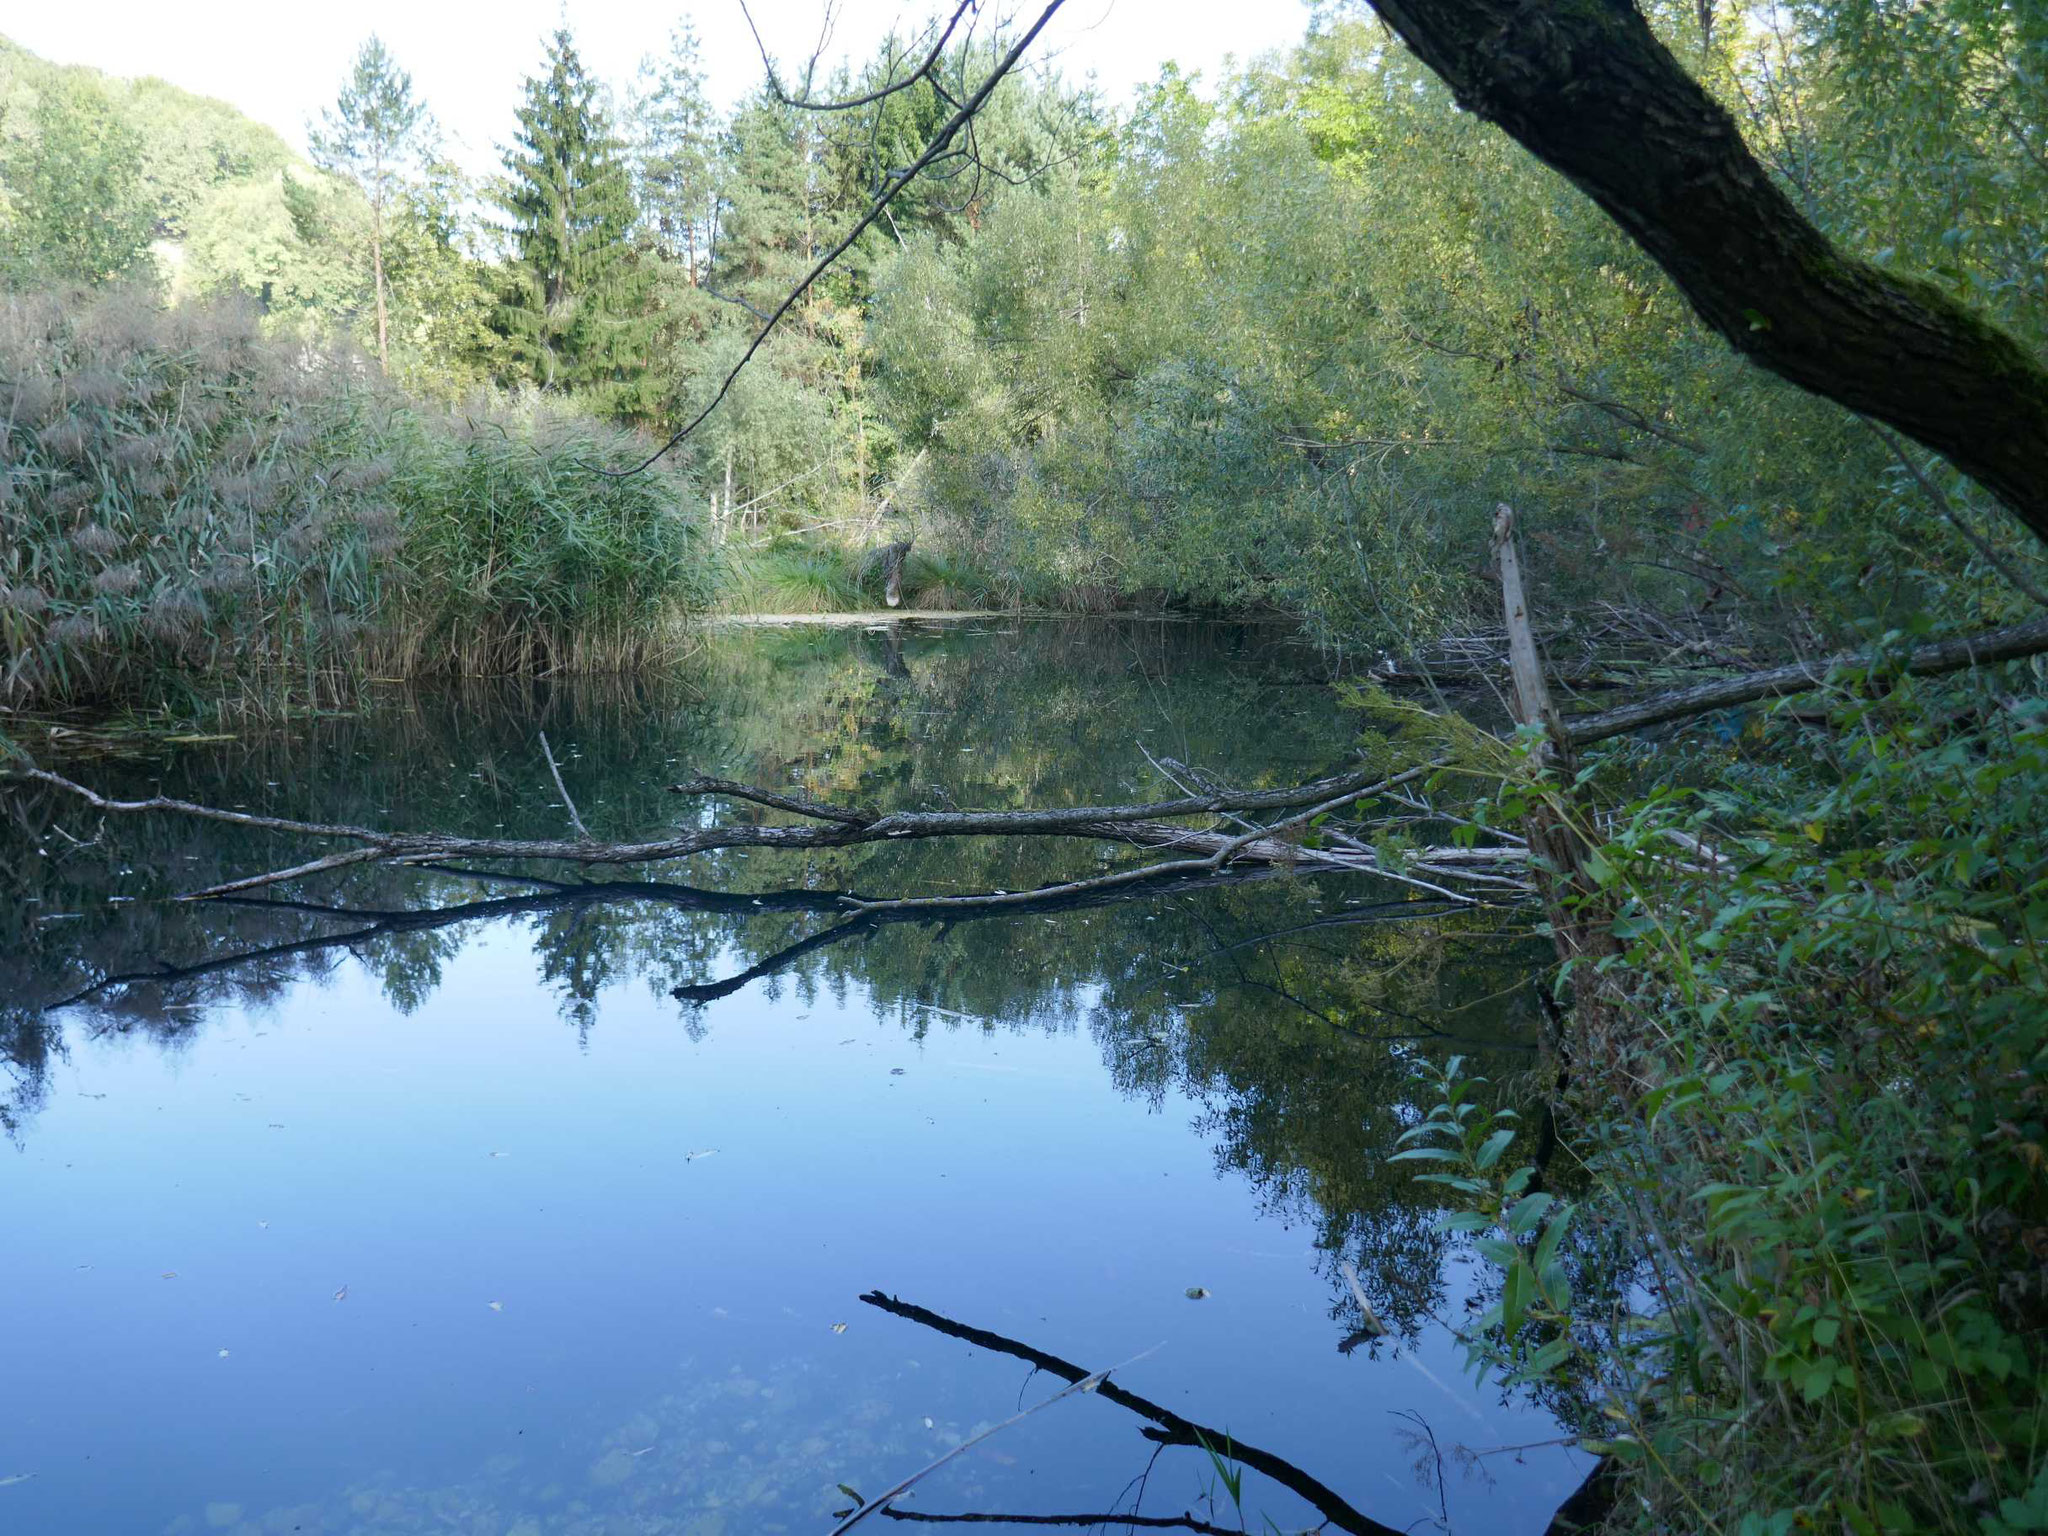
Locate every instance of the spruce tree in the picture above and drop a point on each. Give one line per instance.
(575, 310)
(673, 146)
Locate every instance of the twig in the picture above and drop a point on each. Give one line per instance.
(1939, 497)
(936, 149)
(562, 789)
(897, 1490)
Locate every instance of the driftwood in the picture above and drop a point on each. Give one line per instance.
(1171, 1429)
(1146, 825)
(1930, 660)
(1302, 840)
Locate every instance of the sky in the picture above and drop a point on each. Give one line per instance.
(281, 63)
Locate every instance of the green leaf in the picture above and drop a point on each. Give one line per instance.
(1528, 1211)
(1491, 1149)
(1514, 1298)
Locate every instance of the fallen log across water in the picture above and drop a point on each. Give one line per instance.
(1475, 872)
(1301, 840)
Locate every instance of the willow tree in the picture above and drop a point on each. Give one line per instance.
(1587, 87)
(575, 308)
(375, 132)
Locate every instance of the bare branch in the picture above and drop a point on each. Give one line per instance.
(922, 71)
(897, 1490)
(1939, 497)
(562, 789)
(1171, 1428)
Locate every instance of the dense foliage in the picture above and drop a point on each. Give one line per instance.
(1276, 343)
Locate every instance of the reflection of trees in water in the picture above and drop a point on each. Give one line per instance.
(1291, 1019)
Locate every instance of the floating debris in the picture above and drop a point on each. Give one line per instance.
(691, 1157)
(839, 1327)
(495, 1306)
(1198, 1293)
(342, 1294)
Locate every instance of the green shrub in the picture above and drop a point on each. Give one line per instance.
(1823, 1134)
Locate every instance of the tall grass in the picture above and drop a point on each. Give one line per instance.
(189, 508)
(526, 551)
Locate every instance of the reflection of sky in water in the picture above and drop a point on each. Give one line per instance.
(664, 1358)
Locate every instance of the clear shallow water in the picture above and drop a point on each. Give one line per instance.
(1047, 1126)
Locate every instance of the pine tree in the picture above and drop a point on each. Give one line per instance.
(376, 132)
(575, 310)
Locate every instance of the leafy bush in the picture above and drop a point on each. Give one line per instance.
(1823, 1134)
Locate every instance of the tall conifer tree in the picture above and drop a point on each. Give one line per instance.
(377, 133)
(674, 143)
(575, 309)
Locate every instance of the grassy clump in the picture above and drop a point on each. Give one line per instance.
(794, 576)
(189, 505)
(526, 549)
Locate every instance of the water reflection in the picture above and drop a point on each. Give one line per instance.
(1279, 1021)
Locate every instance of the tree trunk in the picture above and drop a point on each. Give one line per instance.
(377, 271)
(892, 572)
(1586, 87)
(1581, 926)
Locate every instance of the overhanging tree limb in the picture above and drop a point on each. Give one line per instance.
(939, 148)
(1586, 87)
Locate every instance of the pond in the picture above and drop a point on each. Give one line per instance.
(418, 1200)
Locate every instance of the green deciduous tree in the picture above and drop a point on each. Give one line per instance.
(73, 208)
(574, 310)
(376, 133)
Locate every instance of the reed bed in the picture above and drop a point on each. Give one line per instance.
(191, 510)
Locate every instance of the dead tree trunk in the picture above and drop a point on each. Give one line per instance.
(892, 558)
(1581, 924)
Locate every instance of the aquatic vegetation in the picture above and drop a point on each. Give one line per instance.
(195, 510)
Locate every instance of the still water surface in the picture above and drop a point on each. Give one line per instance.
(354, 1211)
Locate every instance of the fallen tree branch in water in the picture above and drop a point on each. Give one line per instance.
(1594, 1495)
(1464, 876)
(1144, 824)
(1171, 1428)
(896, 1490)
(1182, 1522)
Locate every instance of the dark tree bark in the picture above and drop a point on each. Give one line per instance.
(1587, 88)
